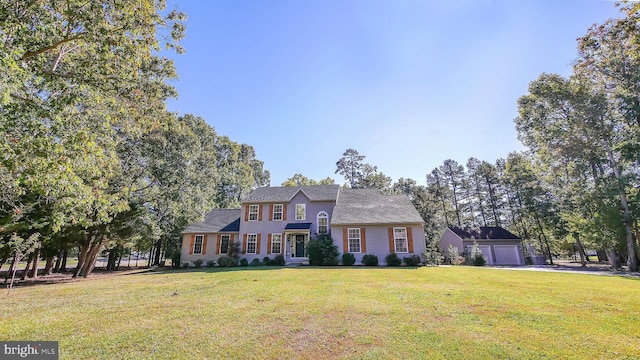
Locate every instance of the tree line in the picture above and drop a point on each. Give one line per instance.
(90, 159)
(577, 185)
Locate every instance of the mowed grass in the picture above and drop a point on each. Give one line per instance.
(307, 312)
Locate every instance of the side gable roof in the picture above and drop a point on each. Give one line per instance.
(370, 206)
(286, 193)
(217, 220)
(484, 233)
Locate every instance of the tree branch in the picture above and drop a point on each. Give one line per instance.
(30, 54)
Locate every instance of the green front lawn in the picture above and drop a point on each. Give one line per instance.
(306, 312)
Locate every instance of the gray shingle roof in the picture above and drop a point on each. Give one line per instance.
(484, 233)
(370, 206)
(217, 220)
(286, 193)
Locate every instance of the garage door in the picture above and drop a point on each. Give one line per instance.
(507, 255)
(486, 252)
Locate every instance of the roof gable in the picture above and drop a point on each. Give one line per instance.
(484, 233)
(370, 206)
(272, 194)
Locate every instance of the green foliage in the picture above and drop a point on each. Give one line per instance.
(185, 264)
(476, 258)
(348, 259)
(211, 263)
(322, 251)
(432, 256)
(278, 260)
(244, 262)
(197, 263)
(370, 260)
(227, 261)
(234, 250)
(361, 175)
(175, 258)
(350, 166)
(89, 156)
(413, 260)
(301, 180)
(392, 260)
(255, 262)
(452, 254)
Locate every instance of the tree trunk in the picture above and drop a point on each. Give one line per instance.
(63, 264)
(455, 204)
(492, 201)
(82, 257)
(544, 237)
(631, 244)
(33, 273)
(576, 236)
(48, 268)
(158, 245)
(56, 267)
(12, 271)
(111, 260)
(26, 268)
(92, 255)
(613, 259)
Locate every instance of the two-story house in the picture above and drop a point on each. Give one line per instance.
(281, 220)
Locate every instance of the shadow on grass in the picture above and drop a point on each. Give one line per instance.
(66, 277)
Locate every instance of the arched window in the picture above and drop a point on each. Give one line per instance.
(323, 222)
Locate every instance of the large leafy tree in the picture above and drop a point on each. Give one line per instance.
(351, 166)
(361, 175)
(301, 180)
(573, 129)
(452, 175)
(79, 80)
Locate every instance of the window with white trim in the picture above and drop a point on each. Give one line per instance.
(252, 240)
(323, 222)
(253, 212)
(400, 240)
(197, 245)
(276, 243)
(224, 244)
(301, 211)
(354, 240)
(277, 212)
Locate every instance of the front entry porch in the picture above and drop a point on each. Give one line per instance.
(297, 237)
(296, 247)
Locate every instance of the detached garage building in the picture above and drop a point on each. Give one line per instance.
(499, 246)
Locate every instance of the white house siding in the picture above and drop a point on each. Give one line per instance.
(377, 240)
(507, 255)
(450, 238)
(211, 252)
(265, 227)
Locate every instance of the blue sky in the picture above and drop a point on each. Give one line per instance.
(408, 83)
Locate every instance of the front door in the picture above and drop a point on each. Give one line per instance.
(299, 247)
